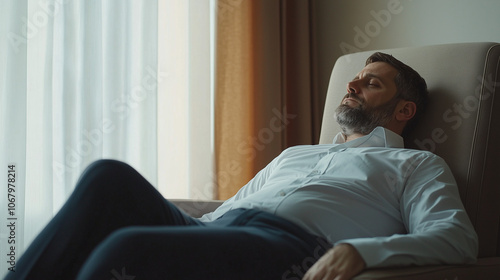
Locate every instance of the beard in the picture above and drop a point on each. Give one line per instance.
(363, 119)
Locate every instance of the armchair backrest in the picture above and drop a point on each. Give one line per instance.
(462, 124)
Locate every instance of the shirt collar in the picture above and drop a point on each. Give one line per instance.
(379, 137)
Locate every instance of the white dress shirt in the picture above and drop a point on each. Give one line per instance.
(396, 206)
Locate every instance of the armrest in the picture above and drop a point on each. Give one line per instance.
(485, 268)
(196, 208)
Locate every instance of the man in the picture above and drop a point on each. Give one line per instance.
(363, 201)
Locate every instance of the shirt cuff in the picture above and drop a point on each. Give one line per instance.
(370, 250)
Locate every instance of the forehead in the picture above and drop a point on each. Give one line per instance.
(380, 70)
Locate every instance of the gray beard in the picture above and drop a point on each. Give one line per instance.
(364, 120)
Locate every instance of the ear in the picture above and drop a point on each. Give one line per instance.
(405, 110)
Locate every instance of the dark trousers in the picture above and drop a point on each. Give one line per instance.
(116, 225)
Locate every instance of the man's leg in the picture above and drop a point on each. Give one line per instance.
(250, 245)
(109, 195)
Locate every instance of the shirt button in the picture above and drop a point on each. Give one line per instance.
(282, 193)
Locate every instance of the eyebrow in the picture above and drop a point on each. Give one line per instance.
(369, 75)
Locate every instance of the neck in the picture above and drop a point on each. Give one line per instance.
(352, 136)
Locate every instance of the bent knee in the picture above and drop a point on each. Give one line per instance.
(108, 175)
(106, 164)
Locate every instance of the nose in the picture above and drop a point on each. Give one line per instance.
(352, 87)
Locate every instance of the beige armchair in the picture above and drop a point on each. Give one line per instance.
(462, 125)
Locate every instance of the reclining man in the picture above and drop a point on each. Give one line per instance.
(362, 202)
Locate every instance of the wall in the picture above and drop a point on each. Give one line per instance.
(359, 25)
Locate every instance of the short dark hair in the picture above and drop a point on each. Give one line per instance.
(410, 86)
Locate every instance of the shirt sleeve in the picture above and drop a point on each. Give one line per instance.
(439, 230)
(253, 186)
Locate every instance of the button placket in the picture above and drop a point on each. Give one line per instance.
(325, 160)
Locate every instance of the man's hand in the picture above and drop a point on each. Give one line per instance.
(341, 262)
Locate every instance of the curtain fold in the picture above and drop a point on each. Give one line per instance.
(185, 99)
(13, 86)
(265, 91)
(234, 112)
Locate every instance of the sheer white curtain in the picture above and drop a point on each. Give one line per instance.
(186, 56)
(82, 80)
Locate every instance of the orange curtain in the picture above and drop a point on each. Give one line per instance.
(265, 92)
